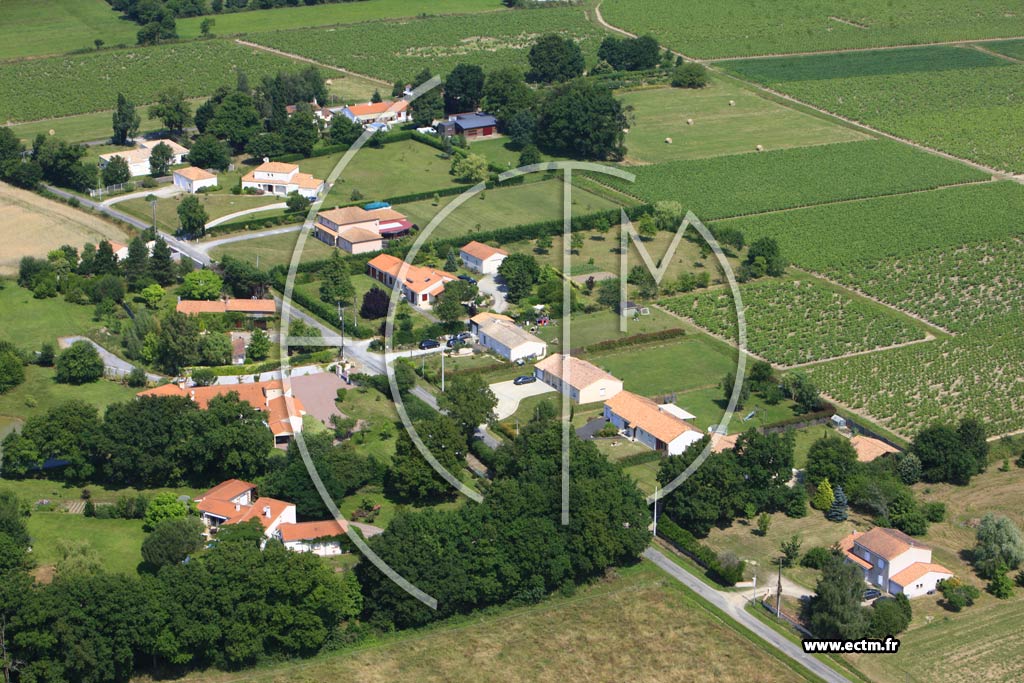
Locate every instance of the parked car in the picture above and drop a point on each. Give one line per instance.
(429, 344)
(466, 278)
(871, 594)
(524, 379)
(464, 336)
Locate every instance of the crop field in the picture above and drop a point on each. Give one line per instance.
(753, 183)
(75, 84)
(329, 15)
(955, 288)
(1010, 48)
(31, 225)
(798, 321)
(975, 373)
(503, 207)
(824, 238)
(42, 27)
(736, 27)
(957, 100)
(400, 49)
(718, 128)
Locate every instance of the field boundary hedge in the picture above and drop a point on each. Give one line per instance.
(685, 542)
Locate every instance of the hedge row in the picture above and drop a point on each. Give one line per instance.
(819, 415)
(320, 309)
(632, 340)
(684, 542)
(255, 223)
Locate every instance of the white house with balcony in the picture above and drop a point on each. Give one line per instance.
(281, 179)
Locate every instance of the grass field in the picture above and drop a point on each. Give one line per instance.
(327, 15)
(76, 84)
(638, 621)
(117, 542)
(396, 169)
(751, 183)
(503, 207)
(274, 250)
(400, 49)
(40, 392)
(958, 100)
(1010, 48)
(216, 205)
(709, 404)
(42, 27)
(29, 322)
(31, 225)
(87, 127)
(591, 328)
(690, 363)
(497, 152)
(718, 128)
(735, 27)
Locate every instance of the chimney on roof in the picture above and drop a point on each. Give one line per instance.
(266, 159)
(266, 511)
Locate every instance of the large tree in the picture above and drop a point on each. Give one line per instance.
(173, 110)
(944, 456)
(172, 541)
(999, 543)
(301, 133)
(411, 476)
(554, 58)
(835, 610)
(520, 273)
(506, 94)
(429, 106)
(136, 265)
(70, 432)
(160, 160)
(161, 263)
(80, 363)
(335, 283)
(469, 401)
(582, 119)
(236, 120)
(192, 216)
(463, 89)
(116, 172)
(202, 284)
(178, 344)
(831, 457)
(125, 121)
(209, 152)
(712, 495)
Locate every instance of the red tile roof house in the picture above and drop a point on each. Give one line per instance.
(266, 397)
(235, 501)
(278, 178)
(482, 258)
(420, 286)
(256, 309)
(358, 231)
(894, 561)
(387, 112)
(656, 426)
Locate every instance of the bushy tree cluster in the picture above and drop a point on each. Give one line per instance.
(630, 54)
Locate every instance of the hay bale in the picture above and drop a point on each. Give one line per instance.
(732, 103)
(759, 148)
(625, 130)
(689, 122)
(668, 141)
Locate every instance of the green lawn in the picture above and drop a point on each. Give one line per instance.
(395, 169)
(87, 127)
(326, 15)
(718, 128)
(29, 322)
(507, 206)
(117, 542)
(590, 328)
(693, 362)
(216, 205)
(40, 392)
(709, 404)
(498, 152)
(41, 27)
(645, 475)
(272, 251)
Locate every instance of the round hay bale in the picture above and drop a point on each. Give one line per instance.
(625, 130)
(732, 103)
(52, 132)
(668, 141)
(689, 122)
(760, 148)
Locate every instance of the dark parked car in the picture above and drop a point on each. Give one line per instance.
(524, 379)
(429, 344)
(871, 594)
(466, 278)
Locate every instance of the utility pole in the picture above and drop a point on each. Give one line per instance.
(442, 371)
(778, 594)
(341, 317)
(655, 510)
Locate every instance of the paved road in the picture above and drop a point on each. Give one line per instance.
(178, 245)
(113, 363)
(734, 609)
(210, 244)
(164, 192)
(246, 212)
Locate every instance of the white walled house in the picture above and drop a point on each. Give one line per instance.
(320, 538)
(419, 286)
(510, 341)
(138, 158)
(387, 112)
(192, 179)
(893, 561)
(481, 258)
(583, 382)
(277, 178)
(234, 501)
(657, 427)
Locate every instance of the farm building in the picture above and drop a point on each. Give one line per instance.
(138, 158)
(482, 258)
(484, 317)
(387, 112)
(266, 397)
(420, 286)
(655, 426)
(472, 126)
(275, 177)
(894, 561)
(358, 231)
(191, 179)
(583, 382)
(510, 341)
